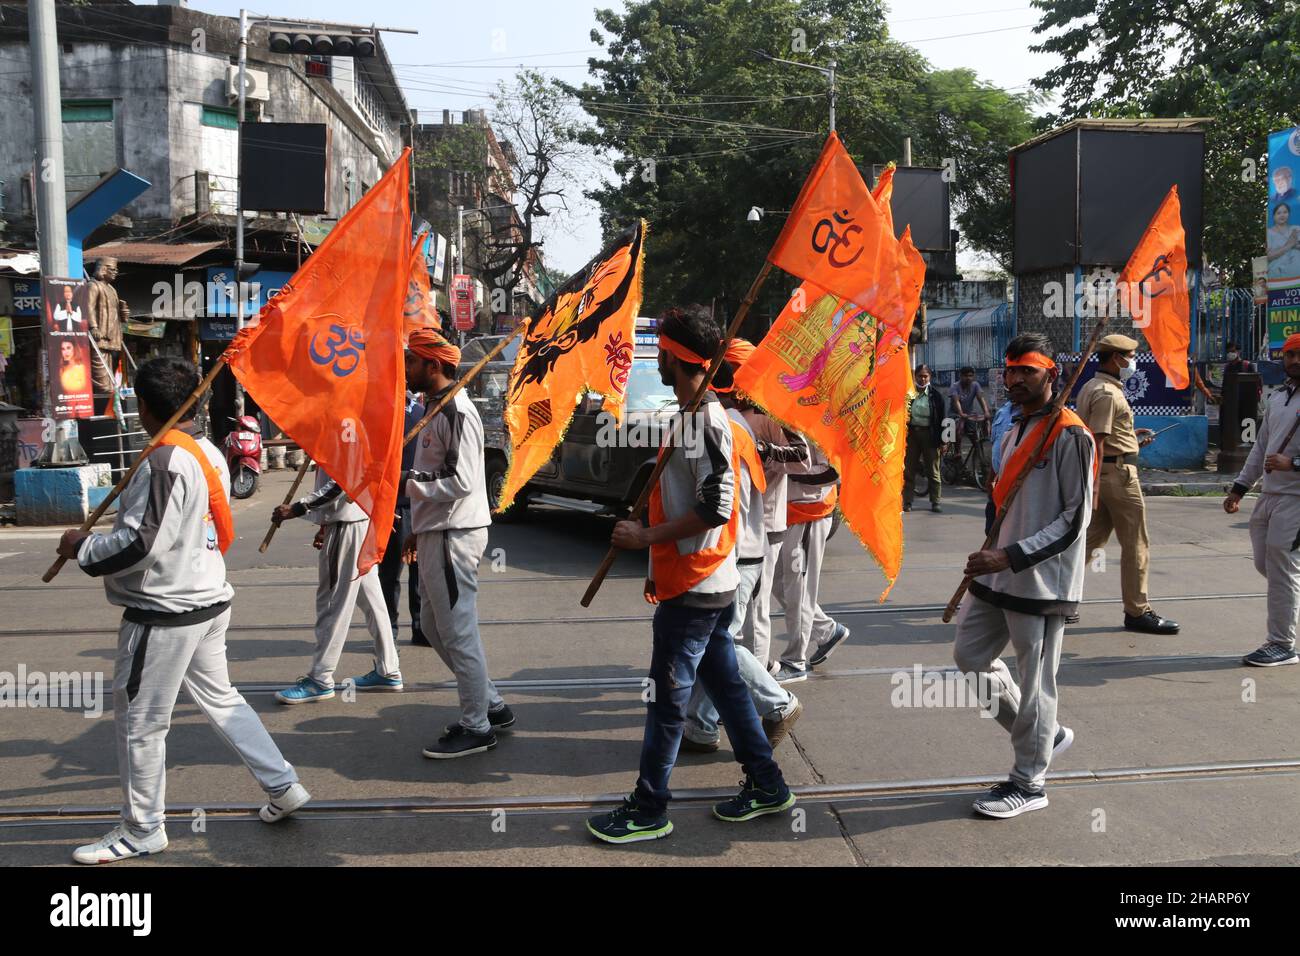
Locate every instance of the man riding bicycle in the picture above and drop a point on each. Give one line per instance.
(966, 402)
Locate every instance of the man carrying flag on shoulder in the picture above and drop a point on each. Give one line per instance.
(777, 707)
(163, 564)
(1026, 585)
(1275, 521)
(693, 580)
(449, 525)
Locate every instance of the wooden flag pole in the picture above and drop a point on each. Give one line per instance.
(1050, 420)
(98, 513)
(417, 427)
(288, 499)
(644, 498)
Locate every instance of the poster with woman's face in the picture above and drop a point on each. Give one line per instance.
(67, 347)
(1283, 247)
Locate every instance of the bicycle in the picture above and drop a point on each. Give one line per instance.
(972, 465)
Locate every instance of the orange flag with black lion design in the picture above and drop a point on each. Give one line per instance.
(581, 341)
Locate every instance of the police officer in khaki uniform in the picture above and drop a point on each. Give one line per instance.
(1120, 506)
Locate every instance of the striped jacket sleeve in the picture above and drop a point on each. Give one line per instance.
(150, 512)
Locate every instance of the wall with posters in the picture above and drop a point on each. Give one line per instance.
(1282, 242)
(66, 327)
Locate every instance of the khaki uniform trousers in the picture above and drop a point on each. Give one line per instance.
(1122, 509)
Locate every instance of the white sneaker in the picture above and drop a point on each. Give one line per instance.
(121, 844)
(277, 808)
(1064, 737)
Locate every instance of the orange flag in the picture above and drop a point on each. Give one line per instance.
(839, 239)
(324, 359)
(582, 340)
(419, 311)
(1154, 284)
(827, 371)
(883, 193)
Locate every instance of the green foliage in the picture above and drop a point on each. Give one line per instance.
(1234, 60)
(699, 128)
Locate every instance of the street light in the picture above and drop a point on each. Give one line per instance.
(758, 212)
(826, 71)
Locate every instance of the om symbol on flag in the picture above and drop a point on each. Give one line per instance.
(830, 242)
(342, 350)
(1157, 285)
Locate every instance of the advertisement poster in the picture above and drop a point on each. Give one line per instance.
(1283, 245)
(66, 333)
(1283, 317)
(462, 302)
(6, 336)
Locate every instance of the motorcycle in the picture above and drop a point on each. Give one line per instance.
(243, 448)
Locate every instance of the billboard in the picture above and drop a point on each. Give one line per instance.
(284, 167)
(1283, 234)
(65, 328)
(462, 302)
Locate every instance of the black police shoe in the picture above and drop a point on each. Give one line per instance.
(1149, 622)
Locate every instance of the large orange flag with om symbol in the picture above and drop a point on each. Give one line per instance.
(834, 365)
(1155, 285)
(580, 341)
(324, 359)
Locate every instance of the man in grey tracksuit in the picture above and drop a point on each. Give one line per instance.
(162, 565)
(1025, 586)
(339, 590)
(1275, 522)
(449, 520)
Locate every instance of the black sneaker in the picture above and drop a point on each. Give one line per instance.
(459, 742)
(753, 801)
(419, 640)
(697, 746)
(629, 824)
(502, 719)
(1149, 622)
(935, 508)
(1008, 800)
(1271, 655)
(825, 650)
(906, 508)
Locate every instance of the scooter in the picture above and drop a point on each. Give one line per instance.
(243, 448)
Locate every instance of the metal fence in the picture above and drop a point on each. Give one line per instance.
(1229, 315)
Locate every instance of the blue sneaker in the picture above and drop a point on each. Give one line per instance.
(753, 801)
(377, 681)
(629, 824)
(306, 691)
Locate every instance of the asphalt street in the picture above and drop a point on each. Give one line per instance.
(1182, 755)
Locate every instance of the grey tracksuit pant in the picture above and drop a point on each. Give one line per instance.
(153, 662)
(770, 699)
(338, 592)
(798, 578)
(449, 617)
(1274, 536)
(1028, 709)
(756, 633)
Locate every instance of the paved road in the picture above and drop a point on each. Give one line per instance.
(1182, 755)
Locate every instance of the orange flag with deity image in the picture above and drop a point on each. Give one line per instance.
(581, 341)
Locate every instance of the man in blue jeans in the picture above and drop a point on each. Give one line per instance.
(693, 579)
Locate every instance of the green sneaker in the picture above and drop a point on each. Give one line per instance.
(629, 824)
(753, 801)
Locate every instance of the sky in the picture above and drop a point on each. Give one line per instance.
(463, 49)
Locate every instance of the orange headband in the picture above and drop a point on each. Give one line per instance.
(428, 344)
(1032, 360)
(737, 354)
(1292, 343)
(681, 351)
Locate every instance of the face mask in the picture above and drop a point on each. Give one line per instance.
(1126, 373)
(1233, 356)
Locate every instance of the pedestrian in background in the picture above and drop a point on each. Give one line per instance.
(925, 445)
(390, 569)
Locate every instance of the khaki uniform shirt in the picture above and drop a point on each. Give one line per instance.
(1104, 407)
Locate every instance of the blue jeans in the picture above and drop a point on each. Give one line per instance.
(691, 642)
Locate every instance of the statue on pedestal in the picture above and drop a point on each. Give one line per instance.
(108, 315)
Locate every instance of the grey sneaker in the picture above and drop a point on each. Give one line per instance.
(1064, 737)
(790, 675)
(1008, 800)
(824, 651)
(1271, 655)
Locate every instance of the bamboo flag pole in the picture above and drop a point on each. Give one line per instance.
(1050, 421)
(98, 513)
(415, 429)
(644, 497)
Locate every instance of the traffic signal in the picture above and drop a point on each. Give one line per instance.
(324, 44)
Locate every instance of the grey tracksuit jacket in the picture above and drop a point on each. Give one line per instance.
(446, 487)
(161, 561)
(1280, 413)
(328, 504)
(1044, 532)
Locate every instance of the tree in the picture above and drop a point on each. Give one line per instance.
(699, 127)
(530, 154)
(1234, 60)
